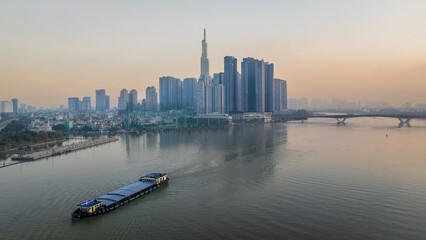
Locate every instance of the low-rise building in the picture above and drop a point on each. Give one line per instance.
(39, 125)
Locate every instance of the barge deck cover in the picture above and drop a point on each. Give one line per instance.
(124, 192)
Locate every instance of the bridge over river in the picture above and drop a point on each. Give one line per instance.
(404, 118)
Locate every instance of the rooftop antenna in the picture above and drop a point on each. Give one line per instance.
(204, 34)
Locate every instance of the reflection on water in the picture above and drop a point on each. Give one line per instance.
(311, 180)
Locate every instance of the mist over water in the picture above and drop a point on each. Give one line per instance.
(311, 180)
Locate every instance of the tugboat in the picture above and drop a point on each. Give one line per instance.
(120, 196)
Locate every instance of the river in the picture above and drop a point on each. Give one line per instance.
(311, 180)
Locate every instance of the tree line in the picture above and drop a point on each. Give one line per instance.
(16, 135)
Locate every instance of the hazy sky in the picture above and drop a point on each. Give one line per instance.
(353, 50)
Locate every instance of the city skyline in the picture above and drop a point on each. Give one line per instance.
(357, 52)
(275, 119)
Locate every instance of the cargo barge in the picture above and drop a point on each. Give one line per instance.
(120, 196)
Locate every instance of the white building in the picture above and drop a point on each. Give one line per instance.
(40, 126)
(6, 107)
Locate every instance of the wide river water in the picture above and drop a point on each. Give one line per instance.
(311, 180)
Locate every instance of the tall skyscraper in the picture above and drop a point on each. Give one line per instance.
(218, 78)
(23, 108)
(133, 99)
(189, 92)
(231, 85)
(86, 104)
(219, 98)
(201, 96)
(73, 104)
(107, 103)
(253, 85)
(123, 100)
(170, 93)
(101, 100)
(205, 72)
(269, 87)
(15, 105)
(215, 94)
(209, 95)
(151, 99)
(283, 95)
(204, 80)
(280, 95)
(144, 105)
(238, 94)
(6, 107)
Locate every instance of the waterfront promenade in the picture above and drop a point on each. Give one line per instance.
(63, 149)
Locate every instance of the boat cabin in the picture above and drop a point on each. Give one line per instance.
(154, 177)
(89, 206)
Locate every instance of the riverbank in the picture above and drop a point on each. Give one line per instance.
(15, 139)
(182, 127)
(63, 149)
(18, 150)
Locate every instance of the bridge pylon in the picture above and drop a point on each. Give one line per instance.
(341, 120)
(404, 121)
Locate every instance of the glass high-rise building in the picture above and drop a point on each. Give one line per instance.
(201, 96)
(269, 87)
(86, 104)
(123, 100)
(232, 85)
(15, 105)
(218, 78)
(133, 99)
(189, 92)
(218, 98)
(151, 99)
(280, 95)
(6, 107)
(73, 104)
(215, 94)
(253, 85)
(107, 103)
(101, 101)
(170, 93)
(209, 95)
(205, 71)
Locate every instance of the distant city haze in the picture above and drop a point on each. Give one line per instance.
(357, 51)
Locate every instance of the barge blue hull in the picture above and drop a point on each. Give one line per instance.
(117, 198)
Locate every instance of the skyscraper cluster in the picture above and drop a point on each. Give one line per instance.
(11, 107)
(127, 101)
(85, 105)
(102, 100)
(76, 106)
(254, 90)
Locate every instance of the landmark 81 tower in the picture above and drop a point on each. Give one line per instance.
(204, 60)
